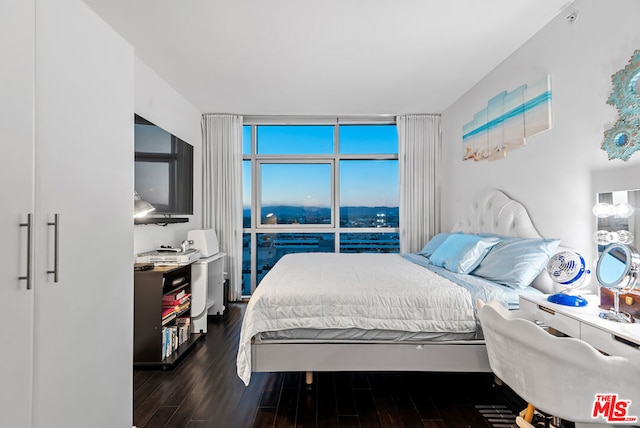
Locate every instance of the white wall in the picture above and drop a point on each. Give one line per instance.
(558, 173)
(159, 103)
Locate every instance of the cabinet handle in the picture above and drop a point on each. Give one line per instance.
(29, 226)
(626, 341)
(547, 310)
(56, 246)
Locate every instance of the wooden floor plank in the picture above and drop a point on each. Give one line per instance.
(346, 421)
(307, 408)
(345, 401)
(421, 388)
(182, 416)
(408, 413)
(287, 408)
(388, 413)
(247, 407)
(366, 406)
(140, 378)
(271, 392)
(160, 417)
(327, 411)
(265, 417)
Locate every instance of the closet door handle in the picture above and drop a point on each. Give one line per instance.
(29, 226)
(56, 246)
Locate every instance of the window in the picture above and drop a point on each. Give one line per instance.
(295, 193)
(317, 187)
(369, 193)
(294, 139)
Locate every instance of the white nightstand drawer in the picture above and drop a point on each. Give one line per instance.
(607, 342)
(545, 315)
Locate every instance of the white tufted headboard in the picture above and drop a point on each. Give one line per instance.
(495, 212)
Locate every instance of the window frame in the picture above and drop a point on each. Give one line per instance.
(256, 160)
(297, 161)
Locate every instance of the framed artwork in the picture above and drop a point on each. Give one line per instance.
(509, 119)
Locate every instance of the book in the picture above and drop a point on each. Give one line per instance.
(175, 295)
(165, 335)
(169, 301)
(184, 329)
(173, 338)
(183, 307)
(183, 321)
(168, 314)
(180, 294)
(169, 341)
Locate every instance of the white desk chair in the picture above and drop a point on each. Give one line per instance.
(559, 376)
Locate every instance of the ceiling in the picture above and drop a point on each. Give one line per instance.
(330, 57)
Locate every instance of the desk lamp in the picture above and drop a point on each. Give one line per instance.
(141, 207)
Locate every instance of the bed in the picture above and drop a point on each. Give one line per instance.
(392, 312)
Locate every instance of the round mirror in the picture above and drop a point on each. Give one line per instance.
(612, 266)
(621, 139)
(617, 269)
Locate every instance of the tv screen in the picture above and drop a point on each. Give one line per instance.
(163, 169)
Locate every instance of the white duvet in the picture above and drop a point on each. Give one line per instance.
(366, 291)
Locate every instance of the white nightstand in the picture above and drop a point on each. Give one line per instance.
(584, 323)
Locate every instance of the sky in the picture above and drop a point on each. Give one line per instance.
(362, 182)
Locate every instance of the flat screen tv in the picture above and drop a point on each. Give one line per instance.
(163, 169)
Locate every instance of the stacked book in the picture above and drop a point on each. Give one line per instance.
(169, 341)
(174, 336)
(174, 304)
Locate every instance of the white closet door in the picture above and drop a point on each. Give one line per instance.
(16, 196)
(84, 174)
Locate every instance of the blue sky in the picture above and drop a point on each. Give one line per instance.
(362, 183)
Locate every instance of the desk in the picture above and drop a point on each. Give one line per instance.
(584, 323)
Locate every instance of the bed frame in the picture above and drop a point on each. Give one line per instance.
(493, 212)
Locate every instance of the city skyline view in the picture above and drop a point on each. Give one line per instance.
(360, 216)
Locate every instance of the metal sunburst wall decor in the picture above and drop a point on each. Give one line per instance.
(623, 138)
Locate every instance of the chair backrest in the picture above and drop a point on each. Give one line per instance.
(558, 375)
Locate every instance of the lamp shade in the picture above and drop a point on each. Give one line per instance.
(141, 207)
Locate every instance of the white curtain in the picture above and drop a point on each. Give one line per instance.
(419, 153)
(222, 190)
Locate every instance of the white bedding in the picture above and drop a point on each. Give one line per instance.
(365, 291)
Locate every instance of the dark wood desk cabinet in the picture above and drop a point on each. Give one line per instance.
(162, 337)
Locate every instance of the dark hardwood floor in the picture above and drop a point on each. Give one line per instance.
(204, 391)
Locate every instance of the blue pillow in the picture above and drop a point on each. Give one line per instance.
(516, 262)
(462, 253)
(433, 244)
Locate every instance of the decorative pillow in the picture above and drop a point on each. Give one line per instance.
(462, 253)
(516, 262)
(434, 243)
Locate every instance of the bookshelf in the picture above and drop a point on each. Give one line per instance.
(162, 316)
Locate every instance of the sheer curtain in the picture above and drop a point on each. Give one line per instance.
(419, 153)
(222, 190)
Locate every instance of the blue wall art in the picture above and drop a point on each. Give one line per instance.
(623, 138)
(509, 119)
